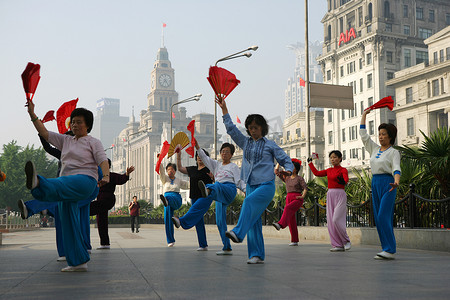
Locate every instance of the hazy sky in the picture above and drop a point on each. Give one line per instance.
(90, 49)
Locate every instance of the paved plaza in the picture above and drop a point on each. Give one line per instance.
(141, 266)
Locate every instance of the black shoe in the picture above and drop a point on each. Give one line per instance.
(23, 209)
(30, 172)
(163, 200)
(203, 189)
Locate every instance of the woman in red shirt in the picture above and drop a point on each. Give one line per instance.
(336, 200)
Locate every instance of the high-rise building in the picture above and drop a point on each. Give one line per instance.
(366, 42)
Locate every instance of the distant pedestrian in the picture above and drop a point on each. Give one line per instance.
(134, 208)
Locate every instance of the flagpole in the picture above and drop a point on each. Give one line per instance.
(162, 36)
(307, 116)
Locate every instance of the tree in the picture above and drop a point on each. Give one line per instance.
(12, 162)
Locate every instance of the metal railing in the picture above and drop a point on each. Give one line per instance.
(12, 220)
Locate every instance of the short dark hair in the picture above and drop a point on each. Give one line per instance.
(174, 166)
(134, 196)
(86, 114)
(259, 120)
(337, 153)
(297, 166)
(228, 145)
(196, 155)
(391, 131)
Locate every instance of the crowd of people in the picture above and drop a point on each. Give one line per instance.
(84, 175)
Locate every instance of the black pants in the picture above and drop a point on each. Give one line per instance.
(134, 219)
(100, 208)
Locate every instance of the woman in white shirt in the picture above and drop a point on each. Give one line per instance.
(385, 165)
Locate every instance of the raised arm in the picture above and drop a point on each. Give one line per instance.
(36, 122)
(317, 173)
(179, 165)
(210, 163)
(367, 141)
(232, 130)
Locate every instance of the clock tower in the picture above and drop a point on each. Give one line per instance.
(162, 83)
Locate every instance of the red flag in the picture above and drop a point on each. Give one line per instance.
(164, 25)
(30, 79)
(237, 120)
(63, 115)
(162, 154)
(124, 139)
(49, 116)
(173, 115)
(191, 128)
(385, 102)
(302, 82)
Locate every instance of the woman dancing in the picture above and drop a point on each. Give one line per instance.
(336, 201)
(259, 154)
(385, 165)
(296, 193)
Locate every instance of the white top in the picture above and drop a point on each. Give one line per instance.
(222, 173)
(78, 156)
(170, 185)
(381, 162)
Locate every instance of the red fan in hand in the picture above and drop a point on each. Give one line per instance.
(222, 81)
(49, 116)
(30, 79)
(63, 115)
(385, 102)
(161, 155)
(191, 128)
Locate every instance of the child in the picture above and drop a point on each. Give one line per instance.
(296, 192)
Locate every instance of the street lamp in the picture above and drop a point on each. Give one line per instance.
(193, 98)
(231, 56)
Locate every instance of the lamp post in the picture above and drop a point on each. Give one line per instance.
(231, 56)
(193, 98)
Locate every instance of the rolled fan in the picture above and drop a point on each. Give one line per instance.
(385, 102)
(222, 81)
(161, 155)
(179, 141)
(30, 79)
(191, 149)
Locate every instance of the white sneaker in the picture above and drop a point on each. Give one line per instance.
(337, 249)
(170, 244)
(225, 252)
(202, 249)
(23, 209)
(232, 236)
(61, 258)
(255, 260)
(348, 246)
(384, 255)
(30, 172)
(163, 200)
(103, 247)
(79, 268)
(176, 222)
(276, 225)
(293, 244)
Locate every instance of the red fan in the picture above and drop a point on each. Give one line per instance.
(191, 128)
(162, 154)
(63, 115)
(49, 116)
(385, 102)
(222, 81)
(30, 79)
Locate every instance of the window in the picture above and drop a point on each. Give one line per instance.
(341, 24)
(330, 137)
(298, 133)
(369, 28)
(351, 67)
(330, 116)
(435, 57)
(425, 33)
(360, 85)
(390, 75)
(351, 113)
(361, 64)
(410, 126)
(405, 11)
(342, 71)
(421, 56)
(447, 19)
(447, 53)
(442, 86)
(441, 55)
(343, 135)
(407, 57)
(344, 155)
(370, 11)
(362, 107)
(431, 15)
(298, 152)
(409, 95)
(370, 101)
(389, 56)
(419, 13)
(342, 114)
(328, 37)
(288, 135)
(360, 16)
(371, 127)
(435, 87)
(369, 58)
(329, 75)
(389, 27)
(369, 81)
(387, 10)
(406, 30)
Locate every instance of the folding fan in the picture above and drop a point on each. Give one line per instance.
(385, 102)
(30, 79)
(63, 115)
(179, 141)
(49, 116)
(222, 81)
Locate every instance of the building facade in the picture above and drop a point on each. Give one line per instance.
(366, 42)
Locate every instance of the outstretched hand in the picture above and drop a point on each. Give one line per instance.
(130, 170)
(393, 186)
(309, 160)
(223, 105)
(30, 106)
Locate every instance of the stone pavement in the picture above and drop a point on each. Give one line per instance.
(141, 266)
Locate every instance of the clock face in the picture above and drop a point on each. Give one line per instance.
(165, 80)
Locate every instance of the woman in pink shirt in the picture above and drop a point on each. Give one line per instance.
(336, 200)
(80, 157)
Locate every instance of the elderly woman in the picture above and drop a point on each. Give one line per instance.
(385, 165)
(81, 155)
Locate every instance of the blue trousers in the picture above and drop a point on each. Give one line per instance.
(224, 194)
(68, 190)
(250, 224)
(383, 210)
(174, 200)
(200, 229)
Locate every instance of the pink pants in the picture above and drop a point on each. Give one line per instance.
(336, 213)
(288, 218)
